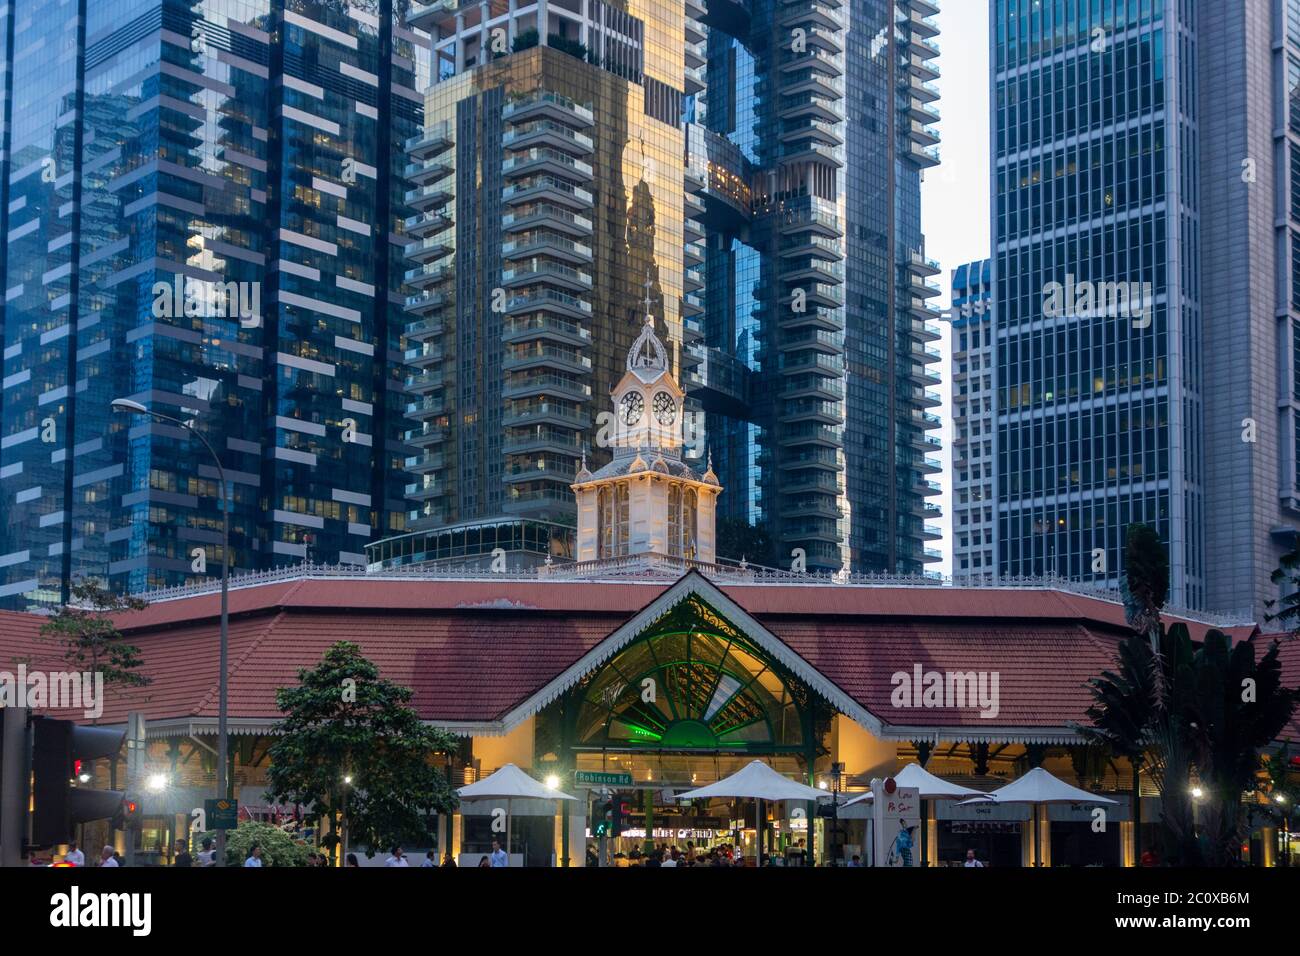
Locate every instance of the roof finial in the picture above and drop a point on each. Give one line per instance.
(649, 319)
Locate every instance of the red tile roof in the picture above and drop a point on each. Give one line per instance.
(473, 650)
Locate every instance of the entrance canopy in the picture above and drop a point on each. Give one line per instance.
(756, 781)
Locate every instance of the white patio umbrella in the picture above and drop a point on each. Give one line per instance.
(510, 783)
(1040, 787)
(930, 787)
(758, 782)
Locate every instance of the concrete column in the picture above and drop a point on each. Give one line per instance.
(13, 786)
(460, 43)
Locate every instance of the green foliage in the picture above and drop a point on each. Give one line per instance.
(1198, 712)
(1145, 586)
(572, 47)
(279, 848)
(1287, 576)
(739, 540)
(88, 638)
(344, 720)
(525, 40)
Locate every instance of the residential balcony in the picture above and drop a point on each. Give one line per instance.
(425, 276)
(428, 197)
(547, 189)
(430, 407)
(427, 224)
(429, 250)
(524, 386)
(546, 327)
(431, 142)
(544, 242)
(542, 356)
(425, 463)
(425, 302)
(422, 174)
(546, 413)
(533, 271)
(549, 215)
(814, 13)
(546, 160)
(549, 300)
(547, 133)
(429, 434)
(551, 106)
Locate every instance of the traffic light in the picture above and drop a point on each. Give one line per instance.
(603, 814)
(60, 750)
(616, 815)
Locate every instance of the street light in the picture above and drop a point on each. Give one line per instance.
(133, 407)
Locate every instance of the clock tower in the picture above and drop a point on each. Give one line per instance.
(647, 500)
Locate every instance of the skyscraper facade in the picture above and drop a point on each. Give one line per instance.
(971, 374)
(1144, 276)
(547, 195)
(809, 135)
(201, 212)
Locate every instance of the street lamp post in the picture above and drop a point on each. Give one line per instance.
(127, 405)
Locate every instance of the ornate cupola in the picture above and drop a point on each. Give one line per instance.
(647, 500)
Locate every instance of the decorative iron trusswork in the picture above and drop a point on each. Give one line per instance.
(692, 681)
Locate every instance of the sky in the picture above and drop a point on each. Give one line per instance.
(955, 194)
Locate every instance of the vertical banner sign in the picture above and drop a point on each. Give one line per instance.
(896, 824)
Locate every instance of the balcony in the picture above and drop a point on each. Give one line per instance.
(428, 197)
(549, 105)
(547, 327)
(543, 160)
(542, 356)
(549, 215)
(428, 250)
(533, 271)
(524, 386)
(426, 408)
(549, 189)
(546, 133)
(546, 413)
(425, 276)
(426, 224)
(814, 13)
(421, 174)
(550, 301)
(429, 434)
(433, 141)
(530, 244)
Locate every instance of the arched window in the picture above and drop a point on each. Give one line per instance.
(689, 525)
(621, 507)
(604, 523)
(675, 521)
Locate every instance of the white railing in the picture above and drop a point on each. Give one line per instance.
(653, 567)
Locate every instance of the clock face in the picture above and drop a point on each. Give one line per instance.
(665, 408)
(633, 407)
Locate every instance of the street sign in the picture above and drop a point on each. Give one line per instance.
(222, 814)
(595, 778)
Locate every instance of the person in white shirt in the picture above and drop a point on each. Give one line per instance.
(254, 856)
(971, 861)
(430, 861)
(107, 857)
(397, 859)
(207, 856)
(74, 856)
(499, 856)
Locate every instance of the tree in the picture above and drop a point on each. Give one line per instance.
(343, 721)
(1193, 711)
(89, 639)
(279, 848)
(739, 540)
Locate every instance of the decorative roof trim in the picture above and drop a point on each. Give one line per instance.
(972, 735)
(692, 583)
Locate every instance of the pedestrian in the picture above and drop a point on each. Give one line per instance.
(483, 861)
(183, 857)
(592, 858)
(254, 856)
(430, 860)
(108, 857)
(971, 861)
(499, 856)
(74, 856)
(352, 861)
(448, 860)
(397, 859)
(207, 856)
(856, 861)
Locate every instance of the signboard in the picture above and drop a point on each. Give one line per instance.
(896, 824)
(596, 778)
(222, 814)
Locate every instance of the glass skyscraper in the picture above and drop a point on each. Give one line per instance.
(809, 136)
(547, 218)
(1145, 272)
(201, 212)
(971, 374)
